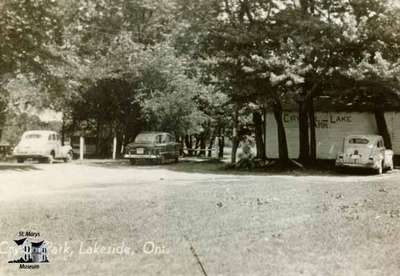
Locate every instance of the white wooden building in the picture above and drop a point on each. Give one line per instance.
(331, 127)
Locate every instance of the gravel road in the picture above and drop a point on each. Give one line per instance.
(105, 218)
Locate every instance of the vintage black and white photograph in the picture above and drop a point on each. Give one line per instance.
(200, 137)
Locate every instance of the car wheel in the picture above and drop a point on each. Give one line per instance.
(70, 157)
(132, 161)
(42, 160)
(340, 170)
(50, 159)
(20, 160)
(391, 166)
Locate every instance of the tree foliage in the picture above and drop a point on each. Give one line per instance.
(202, 66)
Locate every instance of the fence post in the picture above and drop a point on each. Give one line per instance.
(81, 147)
(114, 154)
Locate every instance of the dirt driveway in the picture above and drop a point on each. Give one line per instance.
(114, 219)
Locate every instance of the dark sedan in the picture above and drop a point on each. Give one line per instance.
(158, 147)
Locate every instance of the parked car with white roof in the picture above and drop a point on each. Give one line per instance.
(42, 145)
(365, 151)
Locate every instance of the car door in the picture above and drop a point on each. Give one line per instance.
(170, 146)
(57, 145)
(174, 147)
(52, 143)
(167, 146)
(160, 144)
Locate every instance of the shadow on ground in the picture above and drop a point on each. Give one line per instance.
(112, 164)
(219, 167)
(214, 166)
(18, 167)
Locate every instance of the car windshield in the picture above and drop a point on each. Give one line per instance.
(145, 138)
(361, 141)
(33, 136)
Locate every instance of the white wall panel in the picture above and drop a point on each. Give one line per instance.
(331, 127)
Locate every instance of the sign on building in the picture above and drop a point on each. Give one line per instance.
(331, 128)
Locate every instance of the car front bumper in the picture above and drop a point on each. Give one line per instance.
(141, 156)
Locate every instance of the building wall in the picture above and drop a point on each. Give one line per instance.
(331, 127)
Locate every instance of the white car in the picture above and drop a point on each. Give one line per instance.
(42, 145)
(365, 151)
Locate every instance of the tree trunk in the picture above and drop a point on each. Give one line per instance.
(62, 130)
(235, 138)
(3, 107)
(197, 145)
(221, 145)
(98, 138)
(123, 144)
(264, 131)
(120, 143)
(202, 151)
(188, 142)
(313, 139)
(304, 139)
(211, 144)
(382, 126)
(282, 141)
(181, 142)
(258, 126)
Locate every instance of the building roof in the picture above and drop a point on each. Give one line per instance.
(154, 132)
(21, 241)
(37, 244)
(356, 102)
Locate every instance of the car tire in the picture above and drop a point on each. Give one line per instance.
(42, 160)
(50, 158)
(391, 167)
(132, 161)
(20, 160)
(70, 157)
(340, 170)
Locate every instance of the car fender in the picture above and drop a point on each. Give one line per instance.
(64, 150)
(47, 150)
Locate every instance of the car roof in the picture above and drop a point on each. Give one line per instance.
(366, 136)
(154, 132)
